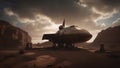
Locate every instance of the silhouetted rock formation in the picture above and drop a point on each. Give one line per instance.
(12, 37)
(109, 37)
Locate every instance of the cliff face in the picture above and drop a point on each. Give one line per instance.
(109, 37)
(12, 37)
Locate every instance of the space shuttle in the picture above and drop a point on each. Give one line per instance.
(66, 37)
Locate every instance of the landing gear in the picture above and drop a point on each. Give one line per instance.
(58, 45)
(63, 45)
(70, 45)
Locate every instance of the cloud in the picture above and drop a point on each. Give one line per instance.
(103, 5)
(43, 16)
(116, 23)
(38, 26)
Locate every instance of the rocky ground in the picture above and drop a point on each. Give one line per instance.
(58, 59)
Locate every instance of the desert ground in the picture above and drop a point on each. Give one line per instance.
(38, 58)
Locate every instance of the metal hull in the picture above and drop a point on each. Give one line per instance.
(67, 38)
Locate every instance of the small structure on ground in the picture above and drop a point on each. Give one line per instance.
(28, 46)
(101, 49)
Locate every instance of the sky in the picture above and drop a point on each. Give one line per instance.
(38, 17)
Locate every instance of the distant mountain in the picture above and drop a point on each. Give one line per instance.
(12, 37)
(109, 37)
(83, 45)
(46, 44)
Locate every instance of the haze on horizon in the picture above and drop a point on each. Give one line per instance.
(44, 16)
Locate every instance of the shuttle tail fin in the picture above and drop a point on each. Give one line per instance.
(62, 26)
(63, 23)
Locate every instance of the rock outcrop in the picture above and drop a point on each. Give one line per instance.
(12, 37)
(109, 37)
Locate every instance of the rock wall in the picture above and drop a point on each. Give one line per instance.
(12, 37)
(109, 37)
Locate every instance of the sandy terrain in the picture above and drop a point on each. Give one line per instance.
(57, 59)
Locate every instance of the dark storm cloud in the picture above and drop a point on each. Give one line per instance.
(60, 9)
(112, 3)
(103, 5)
(56, 9)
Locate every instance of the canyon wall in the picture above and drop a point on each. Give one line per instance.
(12, 37)
(110, 37)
